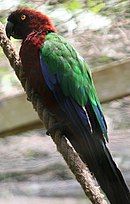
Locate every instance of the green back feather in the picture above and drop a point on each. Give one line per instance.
(75, 76)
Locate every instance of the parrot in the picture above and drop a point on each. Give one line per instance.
(63, 80)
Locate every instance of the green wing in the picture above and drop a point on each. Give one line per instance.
(72, 72)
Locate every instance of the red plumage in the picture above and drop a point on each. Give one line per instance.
(29, 54)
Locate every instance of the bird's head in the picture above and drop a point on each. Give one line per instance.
(25, 20)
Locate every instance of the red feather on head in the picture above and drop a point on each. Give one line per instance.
(28, 21)
(39, 21)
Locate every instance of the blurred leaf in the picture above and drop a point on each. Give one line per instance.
(96, 7)
(73, 5)
(3, 20)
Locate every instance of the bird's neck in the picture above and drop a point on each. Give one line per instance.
(36, 38)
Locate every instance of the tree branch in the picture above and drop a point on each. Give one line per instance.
(72, 159)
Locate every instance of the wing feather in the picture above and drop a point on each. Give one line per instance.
(62, 66)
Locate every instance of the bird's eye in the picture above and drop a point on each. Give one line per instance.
(23, 17)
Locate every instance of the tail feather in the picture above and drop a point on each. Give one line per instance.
(96, 155)
(94, 152)
(85, 136)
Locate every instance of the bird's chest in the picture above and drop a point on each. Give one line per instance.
(29, 54)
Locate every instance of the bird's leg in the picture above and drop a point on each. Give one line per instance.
(57, 126)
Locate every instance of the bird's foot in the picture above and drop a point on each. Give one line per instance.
(55, 127)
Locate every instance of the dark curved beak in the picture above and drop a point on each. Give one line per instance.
(9, 29)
